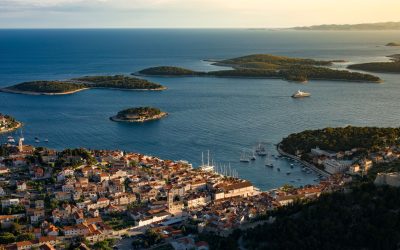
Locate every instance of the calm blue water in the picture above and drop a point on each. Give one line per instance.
(222, 115)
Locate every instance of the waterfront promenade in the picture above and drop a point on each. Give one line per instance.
(306, 164)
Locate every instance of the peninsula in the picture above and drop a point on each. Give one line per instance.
(8, 124)
(83, 83)
(381, 67)
(352, 27)
(368, 160)
(393, 44)
(139, 114)
(269, 66)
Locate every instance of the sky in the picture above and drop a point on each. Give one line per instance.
(192, 13)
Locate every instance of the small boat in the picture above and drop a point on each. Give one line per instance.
(253, 157)
(46, 140)
(10, 139)
(268, 162)
(287, 173)
(300, 94)
(291, 165)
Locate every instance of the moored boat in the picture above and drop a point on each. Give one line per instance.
(301, 94)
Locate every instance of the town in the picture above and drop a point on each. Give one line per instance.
(80, 197)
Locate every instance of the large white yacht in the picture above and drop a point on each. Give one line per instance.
(207, 166)
(300, 94)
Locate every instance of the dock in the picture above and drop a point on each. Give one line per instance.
(306, 164)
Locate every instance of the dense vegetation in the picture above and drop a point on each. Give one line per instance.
(245, 73)
(271, 60)
(270, 66)
(118, 81)
(169, 71)
(384, 67)
(58, 87)
(47, 87)
(365, 218)
(341, 139)
(139, 112)
(301, 73)
(362, 26)
(74, 157)
(14, 233)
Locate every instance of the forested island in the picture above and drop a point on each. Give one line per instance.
(8, 123)
(379, 67)
(118, 82)
(139, 114)
(45, 88)
(79, 84)
(393, 44)
(350, 27)
(269, 66)
(341, 139)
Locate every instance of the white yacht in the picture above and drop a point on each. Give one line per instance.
(300, 94)
(206, 167)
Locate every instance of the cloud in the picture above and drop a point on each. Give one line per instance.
(43, 5)
(192, 13)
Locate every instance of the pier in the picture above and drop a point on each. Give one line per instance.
(306, 164)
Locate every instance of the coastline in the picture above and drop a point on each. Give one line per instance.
(6, 90)
(157, 89)
(157, 117)
(307, 164)
(12, 91)
(19, 125)
(261, 77)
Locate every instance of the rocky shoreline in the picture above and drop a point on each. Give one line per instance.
(6, 90)
(141, 120)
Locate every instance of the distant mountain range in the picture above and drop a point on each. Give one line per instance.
(361, 26)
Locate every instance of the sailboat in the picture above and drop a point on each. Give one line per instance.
(268, 162)
(244, 157)
(260, 150)
(253, 157)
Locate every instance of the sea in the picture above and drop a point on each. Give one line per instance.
(224, 116)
